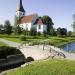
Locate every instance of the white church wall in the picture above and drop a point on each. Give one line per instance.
(42, 28)
(26, 26)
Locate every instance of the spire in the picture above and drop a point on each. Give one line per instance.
(20, 7)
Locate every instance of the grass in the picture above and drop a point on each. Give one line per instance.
(59, 41)
(14, 39)
(56, 41)
(48, 67)
(2, 44)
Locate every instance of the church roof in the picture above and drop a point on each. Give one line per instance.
(27, 19)
(20, 7)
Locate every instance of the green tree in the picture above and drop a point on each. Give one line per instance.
(53, 32)
(69, 33)
(24, 32)
(17, 29)
(7, 27)
(48, 21)
(73, 25)
(33, 32)
(61, 31)
(16, 21)
(1, 29)
(64, 31)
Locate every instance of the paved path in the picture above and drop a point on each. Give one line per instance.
(10, 43)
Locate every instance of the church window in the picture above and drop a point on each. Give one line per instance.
(26, 26)
(39, 26)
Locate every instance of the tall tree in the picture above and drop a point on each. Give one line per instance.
(61, 31)
(33, 32)
(1, 29)
(48, 21)
(69, 33)
(53, 32)
(7, 27)
(73, 25)
(17, 29)
(16, 21)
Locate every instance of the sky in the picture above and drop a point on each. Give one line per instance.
(61, 11)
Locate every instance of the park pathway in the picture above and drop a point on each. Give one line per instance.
(9, 43)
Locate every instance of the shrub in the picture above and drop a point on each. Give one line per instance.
(39, 34)
(23, 38)
(29, 59)
(30, 37)
(35, 37)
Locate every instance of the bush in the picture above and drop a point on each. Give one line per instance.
(35, 37)
(6, 51)
(39, 34)
(30, 37)
(23, 38)
(29, 59)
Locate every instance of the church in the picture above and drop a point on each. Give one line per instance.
(32, 21)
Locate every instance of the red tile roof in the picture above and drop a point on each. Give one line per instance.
(27, 19)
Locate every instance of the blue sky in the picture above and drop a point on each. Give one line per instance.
(61, 11)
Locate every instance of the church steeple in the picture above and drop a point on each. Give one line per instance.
(20, 10)
(21, 7)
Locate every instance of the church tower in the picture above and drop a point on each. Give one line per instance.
(20, 12)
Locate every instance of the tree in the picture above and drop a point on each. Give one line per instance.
(64, 31)
(48, 21)
(24, 32)
(7, 27)
(73, 25)
(53, 32)
(16, 21)
(1, 29)
(61, 31)
(33, 32)
(17, 29)
(69, 33)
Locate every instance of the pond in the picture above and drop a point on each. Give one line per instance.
(70, 47)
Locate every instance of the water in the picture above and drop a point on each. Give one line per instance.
(69, 47)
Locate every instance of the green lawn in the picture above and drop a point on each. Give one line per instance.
(48, 67)
(14, 39)
(2, 44)
(59, 41)
(56, 41)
